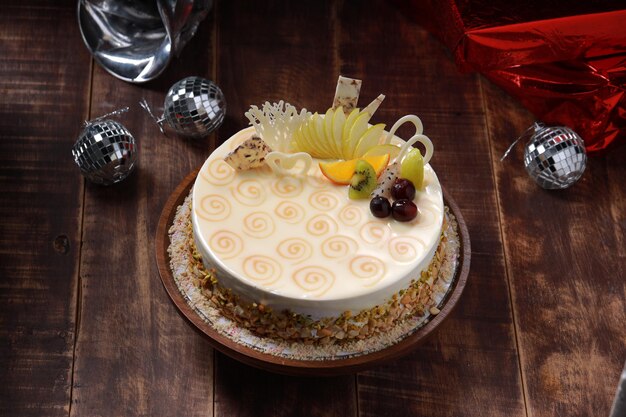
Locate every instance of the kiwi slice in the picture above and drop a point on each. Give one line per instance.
(363, 180)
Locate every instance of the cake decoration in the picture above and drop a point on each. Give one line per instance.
(346, 94)
(412, 168)
(281, 163)
(382, 149)
(363, 180)
(386, 181)
(333, 136)
(276, 123)
(417, 137)
(374, 105)
(341, 172)
(250, 154)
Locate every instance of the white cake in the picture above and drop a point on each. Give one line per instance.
(298, 243)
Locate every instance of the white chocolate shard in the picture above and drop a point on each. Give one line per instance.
(250, 154)
(347, 94)
(374, 105)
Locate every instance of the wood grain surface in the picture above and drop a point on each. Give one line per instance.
(86, 328)
(44, 90)
(565, 255)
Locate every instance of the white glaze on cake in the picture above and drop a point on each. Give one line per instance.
(299, 243)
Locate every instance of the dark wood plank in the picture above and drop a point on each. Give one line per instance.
(275, 51)
(271, 51)
(565, 256)
(244, 391)
(44, 84)
(470, 366)
(135, 355)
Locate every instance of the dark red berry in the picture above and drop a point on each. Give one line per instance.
(380, 207)
(403, 189)
(403, 210)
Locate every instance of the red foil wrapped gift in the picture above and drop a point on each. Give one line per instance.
(565, 61)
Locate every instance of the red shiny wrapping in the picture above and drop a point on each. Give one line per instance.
(565, 61)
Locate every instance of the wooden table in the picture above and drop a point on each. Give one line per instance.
(86, 328)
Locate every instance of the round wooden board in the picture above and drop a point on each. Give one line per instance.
(292, 366)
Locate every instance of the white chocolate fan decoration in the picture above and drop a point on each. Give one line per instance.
(276, 124)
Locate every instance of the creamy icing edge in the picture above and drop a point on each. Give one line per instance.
(302, 244)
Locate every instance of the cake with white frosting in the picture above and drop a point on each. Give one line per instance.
(291, 253)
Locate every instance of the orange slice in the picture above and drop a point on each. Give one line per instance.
(341, 172)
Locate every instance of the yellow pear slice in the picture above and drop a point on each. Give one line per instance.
(303, 140)
(358, 129)
(392, 150)
(339, 119)
(311, 135)
(374, 105)
(369, 139)
(345, 136)
(320, 136)
(299, 142)
(328, 130)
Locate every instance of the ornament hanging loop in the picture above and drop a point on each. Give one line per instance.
(159, 121)
(104, 116)
(527, 133)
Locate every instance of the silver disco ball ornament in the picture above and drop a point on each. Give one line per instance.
(555, 156)
(194, 107)
(105, 152)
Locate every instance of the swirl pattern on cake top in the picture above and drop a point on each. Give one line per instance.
(289, 212)
(213, 208)
(321, 224)
(287, 187)
(368, 268)
(405, 248)
(258, 224)
(218, 172)
(338, 247)
(295, 250)
(314, 280)
(350, 216)
(262, 269)
(226, 244)
(249, 192)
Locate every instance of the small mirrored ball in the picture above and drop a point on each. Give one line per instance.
(555, 157)
(194, 107)
(105, 152)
